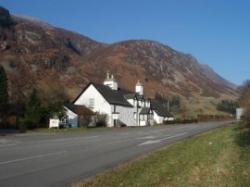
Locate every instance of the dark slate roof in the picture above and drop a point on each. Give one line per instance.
(112, 96)
(115, 97)
(159, 109)
(145, 110)
(136, 96)
(129, 96)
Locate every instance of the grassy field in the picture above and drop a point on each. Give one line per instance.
(217, 158)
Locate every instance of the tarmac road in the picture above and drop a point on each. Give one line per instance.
(59, 159)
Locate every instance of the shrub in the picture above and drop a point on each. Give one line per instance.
(22, 127)
(101, 120)
(86, 120)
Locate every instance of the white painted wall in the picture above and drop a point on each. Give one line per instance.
(147, 104)
(72, 118)
(126, 115)
(143, 122)
(100, 104)
(158, 119)
(131, 101)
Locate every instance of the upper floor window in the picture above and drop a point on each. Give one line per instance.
(91, 102)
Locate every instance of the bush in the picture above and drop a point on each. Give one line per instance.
(101, 120)
(85, 120)
(22, 127)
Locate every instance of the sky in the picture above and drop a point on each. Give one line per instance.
(216, 32)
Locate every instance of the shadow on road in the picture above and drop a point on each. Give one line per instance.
(5, 132)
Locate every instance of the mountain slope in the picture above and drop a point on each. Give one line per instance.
(55, 61)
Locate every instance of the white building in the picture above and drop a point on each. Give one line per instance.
(160, 113)
(122, 107)
(107, 99)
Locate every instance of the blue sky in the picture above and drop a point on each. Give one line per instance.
(216, 32)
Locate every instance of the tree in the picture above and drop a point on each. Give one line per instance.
(4, 99)
(172, 103)
(52, 109)
(228, 106)
(245, 101)
(33, 111)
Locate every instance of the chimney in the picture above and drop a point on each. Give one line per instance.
(139, 88)
(110, 81)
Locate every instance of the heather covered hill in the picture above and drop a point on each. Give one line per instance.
(35, 54)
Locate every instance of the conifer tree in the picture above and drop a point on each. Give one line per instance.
(4, 99)
(33, 111)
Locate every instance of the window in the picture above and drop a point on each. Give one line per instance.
(91, 102)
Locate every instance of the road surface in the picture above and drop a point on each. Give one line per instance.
(42, 159)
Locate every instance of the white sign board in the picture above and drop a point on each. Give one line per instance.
(54, 123)
(239, 113)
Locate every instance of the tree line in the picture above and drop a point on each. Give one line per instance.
(228, 106)
(33, 113)
(171, 104)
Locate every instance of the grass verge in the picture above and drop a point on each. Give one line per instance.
(217, 158)
(66, 130)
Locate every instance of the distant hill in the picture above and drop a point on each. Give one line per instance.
(37, 55)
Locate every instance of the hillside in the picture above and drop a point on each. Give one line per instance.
(59, 62)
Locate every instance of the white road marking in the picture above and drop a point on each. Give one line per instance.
(162, 139)
(150, 142)
(32, 157)
(174, 136)
(63, 140)
(146, 137)
(70, 139)
(8, 145)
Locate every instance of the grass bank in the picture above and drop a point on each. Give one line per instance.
(217, 158)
